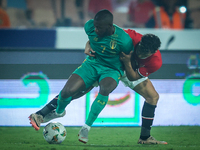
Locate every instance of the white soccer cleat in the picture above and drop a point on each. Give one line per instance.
(83, 135)
(53, 115)
(151, 140)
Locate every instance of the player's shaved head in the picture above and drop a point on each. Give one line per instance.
(104, 15)
(103, 22)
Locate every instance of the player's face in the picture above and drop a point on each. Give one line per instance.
(102, 29)
(141, 53)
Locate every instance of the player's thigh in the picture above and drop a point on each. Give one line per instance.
(74, 84)
(109, 80)
(88, 73)
(147, 90)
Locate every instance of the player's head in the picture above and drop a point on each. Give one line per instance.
(148, 45)
(103, 22)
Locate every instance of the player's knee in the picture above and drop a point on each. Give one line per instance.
(63, 94)
(104, 91)
(153, 100)
(67, 92)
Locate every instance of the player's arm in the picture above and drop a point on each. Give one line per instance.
(89, 28)
(131, 74)
(88, 50)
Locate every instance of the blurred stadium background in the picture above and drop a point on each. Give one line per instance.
(45, 42)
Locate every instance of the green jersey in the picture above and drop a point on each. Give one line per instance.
(108, 49)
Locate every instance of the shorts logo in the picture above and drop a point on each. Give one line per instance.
(119, 76)
(95, 39)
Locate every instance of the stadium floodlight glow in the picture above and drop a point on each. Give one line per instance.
(182, 9)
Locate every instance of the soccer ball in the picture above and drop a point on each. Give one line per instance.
(54, 133)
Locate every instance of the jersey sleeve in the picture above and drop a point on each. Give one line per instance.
(135, 36)
(127, 44)
(89, 27)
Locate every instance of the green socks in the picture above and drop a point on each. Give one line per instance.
(97, 106)
(62, 103)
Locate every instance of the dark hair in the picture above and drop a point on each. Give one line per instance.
(104, 14)
(150, 42)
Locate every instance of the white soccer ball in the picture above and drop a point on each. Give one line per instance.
(54, 133)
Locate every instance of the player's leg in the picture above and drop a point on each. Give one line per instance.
(62, 101)
(48, 107)
(107, 85)
(47, 112)
(51, 115)
(147, 90)
(77, 82)
(74, 85)
(52, 105)
(108, 82)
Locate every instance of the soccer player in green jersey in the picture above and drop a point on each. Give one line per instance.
(108, 41)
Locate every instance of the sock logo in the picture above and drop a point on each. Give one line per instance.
(119, 101)
(101, 102)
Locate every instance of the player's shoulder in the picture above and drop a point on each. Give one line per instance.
(124, 40)
(156, 59)
(122, 35)
(133, 34)
(89, 26)
(158, 55)
(120, 31)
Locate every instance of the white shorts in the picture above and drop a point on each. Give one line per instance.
(132, 84)
(126, 82)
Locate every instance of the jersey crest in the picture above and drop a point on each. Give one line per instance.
(113, 44)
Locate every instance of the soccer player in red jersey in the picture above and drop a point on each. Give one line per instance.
(138, 65)
(145, 60)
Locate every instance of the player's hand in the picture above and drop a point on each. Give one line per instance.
(88, 50)
(125, 58)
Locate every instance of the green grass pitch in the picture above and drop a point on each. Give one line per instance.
(102, 138)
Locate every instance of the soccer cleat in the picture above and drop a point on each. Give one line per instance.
(83, 135)
(36, 120)
(52, 115)
(151, 140)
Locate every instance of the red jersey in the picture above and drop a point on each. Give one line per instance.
(148, 65)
